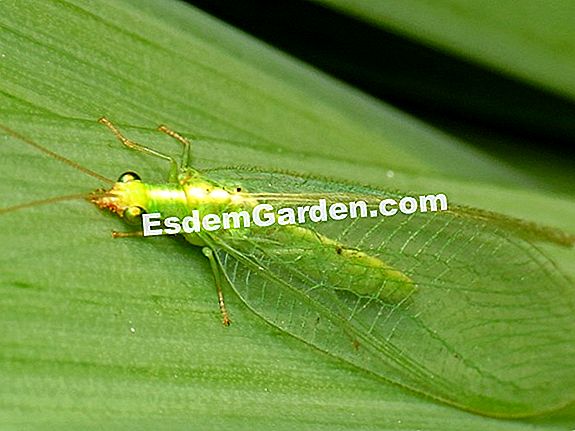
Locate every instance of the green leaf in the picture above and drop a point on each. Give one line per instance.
(126, 333)
(530, 40)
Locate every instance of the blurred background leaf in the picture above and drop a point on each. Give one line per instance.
(438, 61)
(531, 40)
(126, 334)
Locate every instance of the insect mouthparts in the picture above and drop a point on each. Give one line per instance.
(98, 194)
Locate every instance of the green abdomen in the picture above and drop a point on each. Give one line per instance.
(332, 265)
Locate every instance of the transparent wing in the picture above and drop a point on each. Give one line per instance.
(489, 326)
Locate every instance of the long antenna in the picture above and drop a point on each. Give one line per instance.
(43, 202)
(55, 155)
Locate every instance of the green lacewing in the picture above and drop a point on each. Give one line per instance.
(458, 305)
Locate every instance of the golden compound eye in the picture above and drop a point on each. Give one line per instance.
(133, 215)
(126, 177)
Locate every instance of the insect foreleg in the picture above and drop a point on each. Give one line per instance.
(173, 173)
(217, 278)
(138, 233)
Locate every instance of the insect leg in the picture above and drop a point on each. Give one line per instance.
(116, 234)
(134, 146)
(186, 153)
(216, 271)
(131, 234)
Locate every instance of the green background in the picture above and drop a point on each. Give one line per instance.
(122, 334)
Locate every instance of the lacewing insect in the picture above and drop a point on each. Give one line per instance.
(459, 305)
